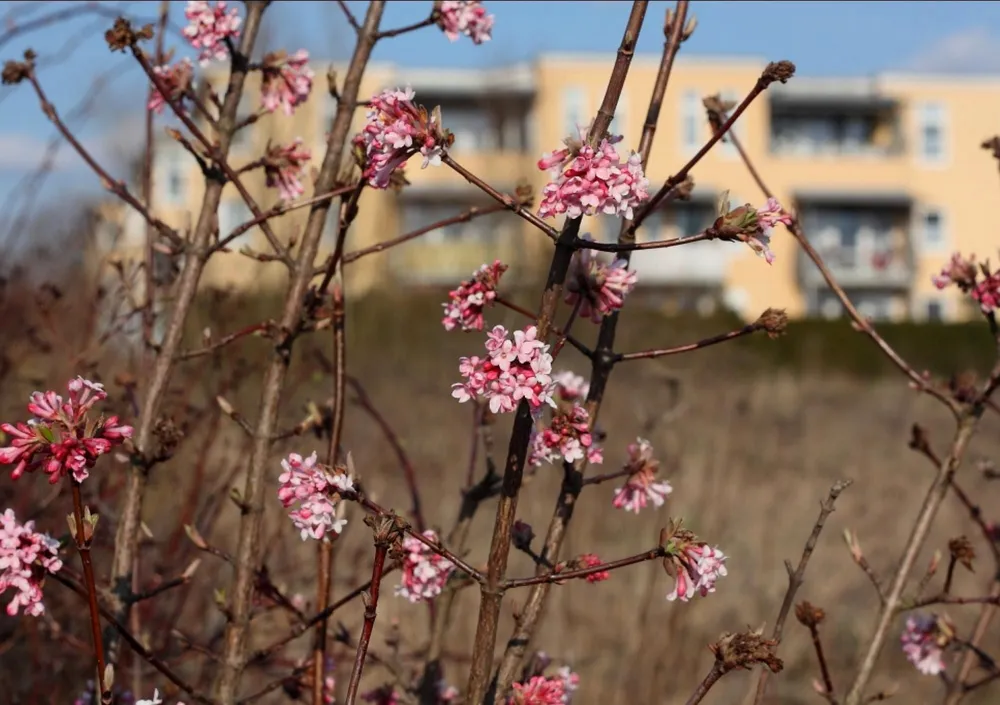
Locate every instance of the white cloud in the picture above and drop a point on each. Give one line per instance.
(973, 50)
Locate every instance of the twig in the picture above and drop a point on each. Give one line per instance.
(531, 611)
(584, 350)
(371, 604)
(409, 473)
(410, 27)
(713, 340)
(491, 594)
(83, 526)
(710, 679)
(249, 548)
(796, 577)
(558, 577)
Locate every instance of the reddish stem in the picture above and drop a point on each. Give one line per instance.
(371, 605)
(83, 547)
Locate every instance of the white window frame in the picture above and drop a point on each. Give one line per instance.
(932, 115)
(926, 245)
(693, 121)
(172, 165)
(574, 109)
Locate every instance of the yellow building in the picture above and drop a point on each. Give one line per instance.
(885, 172)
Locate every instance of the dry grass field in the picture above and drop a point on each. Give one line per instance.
(750, 450)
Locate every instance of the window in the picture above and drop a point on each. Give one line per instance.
(418, 215)
(931, 124)
(692, 122)
(574, 110)
(932, 230)
(935, 311)
(173, 177)
(619, 124)
(234, 212)
(472, 127)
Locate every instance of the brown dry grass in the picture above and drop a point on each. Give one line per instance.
(750, 453)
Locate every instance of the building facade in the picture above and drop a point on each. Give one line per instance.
(886, 174)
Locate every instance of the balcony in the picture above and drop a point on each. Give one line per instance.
(452, 253)
(865, 242)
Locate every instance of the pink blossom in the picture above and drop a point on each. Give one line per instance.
(287, 81)
(396, 129)
(283, 168)
(768, 215)
(316, 490)
(571, 387)
(210, 27)
(62, 439)
(570, 681)
(586, 181)
(567, 437)
(964, 273)
(923, 640)
(515, 369)
(176, 79)
(467, 302)
(641, 488)
(26, 557)
(468, 18)
(424, 572)
(696, 567)
(539, 690)
(589, 560)
(597, 283)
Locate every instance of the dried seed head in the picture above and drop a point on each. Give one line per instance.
(774, 321)
(777, 71)
(809, 615)
(745, 650)
(121, 36)
(962, 551)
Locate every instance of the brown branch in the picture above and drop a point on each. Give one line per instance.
(460, 218)
(198, 250)
(651, 245)
(531, 611)
(410, 27)
(584, 350)
(710, 679)
(371, 606)
(351, 19)
(491, 594)
(796, 577)
(249, 547)
(713, 340)
(259, 329)
(83, 535)
(554, 577)
(409, 473)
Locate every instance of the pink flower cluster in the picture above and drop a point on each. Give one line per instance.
(768, 215)
(283, 167)
(964, 273)
(316, 491)
(396, 129)
(922, 642)
(26, 556)
(424, 572)
(641, 488)
(62, 439)
(697, 566)
(515, 368)
(567, 437)
(468, 18)
(589, 560)
(176, 79)
(465, 308)
(586, 181)
(209, 28)
(571, 387)
(286, 82)
(597, 283)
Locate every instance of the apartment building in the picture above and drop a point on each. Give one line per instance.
(886, 173)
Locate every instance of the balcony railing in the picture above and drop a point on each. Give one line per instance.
(871, 268)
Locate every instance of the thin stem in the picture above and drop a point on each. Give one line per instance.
(713, 340)
(558, 577)
(823, 668)
(371, 605)
(584, 350)
(83, 548)
(249, 545)
(408, 28)
(491, 593)
(531, 612)
(796, 577)
(706, 684)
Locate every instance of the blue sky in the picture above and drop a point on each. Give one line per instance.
(822, 38)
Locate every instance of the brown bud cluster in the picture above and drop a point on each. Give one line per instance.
(121, 36)
(962, 551)
(773, 321)
(809, 615)
(745, 650)
(777, 71)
